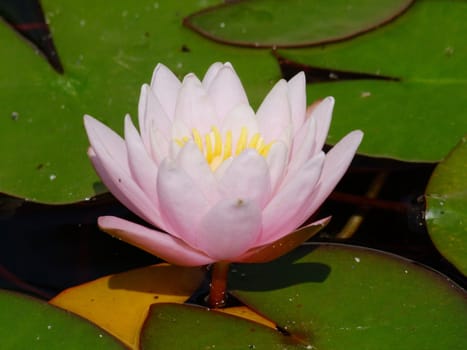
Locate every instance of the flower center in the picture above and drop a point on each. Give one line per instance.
(217, 147)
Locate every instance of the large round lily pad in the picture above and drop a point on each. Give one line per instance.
(26, 323)
(108, 52)
(340, 297)
(417, 113)
(277, 23)
(446, 212)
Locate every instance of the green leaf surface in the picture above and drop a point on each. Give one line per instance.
(293, 23)
(26, 323)
(342, 297)
(446, 201)
(420, 117)
(108, 52)
(175, 326)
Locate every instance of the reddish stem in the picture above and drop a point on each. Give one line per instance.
(218, 295)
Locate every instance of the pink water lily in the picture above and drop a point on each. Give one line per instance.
(219, 181)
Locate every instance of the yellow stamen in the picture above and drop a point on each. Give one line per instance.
(216, 149)
(209, 153)
(265, 149)
(197, 138)
(254, 141)
(217, 142)
(228, 145)
(242, 141)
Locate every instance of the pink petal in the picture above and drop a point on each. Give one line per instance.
(323, 114)
(123, 187)
(211, 73)
(274, 113)
(193, 162)
(303, 146)
(166, 87)
(280, 217)
(229, 229)
(194, 108)
(151, 114)
(142, 167)
(155, 242)
(247, 178)
(109, 157)
(107, 141)
(283, 245)
(239, 117)
(226, 91)
(159, 145)
(297, 98)
(337, 161)
(182, 203)
(277, 162)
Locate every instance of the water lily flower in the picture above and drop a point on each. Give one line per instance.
(215, 180)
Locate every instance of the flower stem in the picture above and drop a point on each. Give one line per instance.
(217, 294)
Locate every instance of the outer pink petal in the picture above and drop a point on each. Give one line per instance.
(277, 161)
(211, 73)
(247, 178)
(123, 187)
(323, 115)
(229, 229)
(166, 87)
(226, 91)
(297, 98)
(303, 146)
(109, 157)
(107, 141)
(274, 113)
(194, 108)
(337, 161)
(155, 242)
(281, 216)
(181, 202)
(283, 245)
(142, 167)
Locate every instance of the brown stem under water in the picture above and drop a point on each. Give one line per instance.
(218, 288)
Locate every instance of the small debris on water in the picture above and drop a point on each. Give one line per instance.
(365, 94)
(14, 116)
(52, 177)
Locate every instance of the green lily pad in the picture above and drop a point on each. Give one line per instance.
(293, 23)
(27, 323)
(418, 118)
(446, 212)
(107, 52)
(204, 329)
(341, 297)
